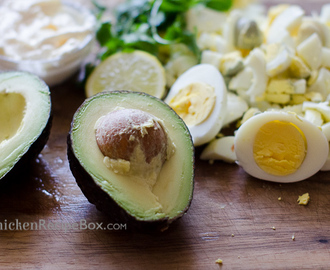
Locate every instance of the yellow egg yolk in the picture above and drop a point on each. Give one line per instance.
(194, 103)
(303, 199)
(279, 148)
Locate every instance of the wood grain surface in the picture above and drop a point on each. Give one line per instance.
(233, 217)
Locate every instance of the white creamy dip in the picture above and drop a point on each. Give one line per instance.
(41, 29)
(45, 30)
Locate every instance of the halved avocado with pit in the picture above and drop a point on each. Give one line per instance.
(127, 197)
(25, 119)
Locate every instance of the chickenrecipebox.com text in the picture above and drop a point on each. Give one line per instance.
(48, 225)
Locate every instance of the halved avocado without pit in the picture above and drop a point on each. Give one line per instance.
(25, 120)
(133, 157)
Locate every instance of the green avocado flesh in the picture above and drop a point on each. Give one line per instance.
(24, 114)
(170, 197)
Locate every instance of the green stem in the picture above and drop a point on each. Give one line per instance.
(153, 15)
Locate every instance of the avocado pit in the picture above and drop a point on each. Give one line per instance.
(132, 142)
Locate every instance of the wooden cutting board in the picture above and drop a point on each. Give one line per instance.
(233, 217)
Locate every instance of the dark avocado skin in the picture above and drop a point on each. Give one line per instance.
(32, 153)
(104, 203)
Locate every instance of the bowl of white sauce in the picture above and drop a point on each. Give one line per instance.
(50, 38)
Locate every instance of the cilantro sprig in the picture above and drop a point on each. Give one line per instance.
(149, 24)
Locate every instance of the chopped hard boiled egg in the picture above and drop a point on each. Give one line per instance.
(285, 22)
(280, 147)
(326, 57)
(280, 86)
(205, 19)
(229, 30)
(220, 149)
(279, 91)
(242, 81)
(277, 71)
(249, 113)
(325, 14)
(212, 42)
(211, 57)
(276, 10)
(257, 64)
(279, 63)
(322, 83)
(247, 34)
(326, 165)
(231, 63)
(236, 107)
(326, 130)
(310, 50)
(322, 107)
(311, 26)
(299, 86)
(298, 68)
(314, 117)
(199, 96)
(303, 199)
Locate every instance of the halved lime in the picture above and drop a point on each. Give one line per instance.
(136, 71)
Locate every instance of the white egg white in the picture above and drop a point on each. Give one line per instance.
(236, 107)
(326, 131)
(317, 146)
(220, 149)
(286, 21)
(208, 74)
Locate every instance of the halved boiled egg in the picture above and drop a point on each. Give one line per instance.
(199, 97)
(280, 147)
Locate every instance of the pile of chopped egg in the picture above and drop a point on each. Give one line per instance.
(273, 61)
(277, 59)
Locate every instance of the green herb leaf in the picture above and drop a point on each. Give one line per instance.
(103, 34)
(177, 34)
(178, 6)
(219, 5)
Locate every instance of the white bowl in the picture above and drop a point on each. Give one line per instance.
(56, 70)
